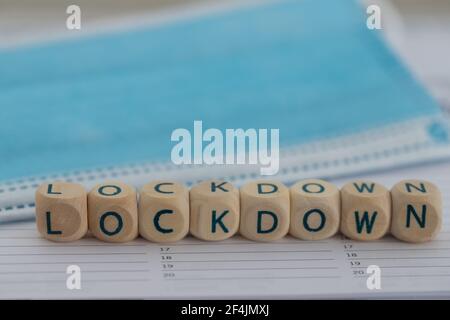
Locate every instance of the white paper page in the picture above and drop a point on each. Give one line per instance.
(31, 267)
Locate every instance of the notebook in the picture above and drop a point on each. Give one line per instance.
(31, 267)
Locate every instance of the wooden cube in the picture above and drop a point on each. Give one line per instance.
(112, 212)
(264, 210)
(315, 209)
(164, 211)
(214, 208)
(365, 210)
(61, 211)
(416, 211)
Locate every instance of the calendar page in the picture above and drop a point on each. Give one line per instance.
(31, 267)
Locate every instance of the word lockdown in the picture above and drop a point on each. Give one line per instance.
(260, 210)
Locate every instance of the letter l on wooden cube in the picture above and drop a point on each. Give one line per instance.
(61, 211)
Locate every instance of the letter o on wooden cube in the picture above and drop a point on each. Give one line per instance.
(264, 210)
(416, 211)
(112, 211)
(214, 209)
(164, 211)
(315, 209)
(365, 210)
(61, 211)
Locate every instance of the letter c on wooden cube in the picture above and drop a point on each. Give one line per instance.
(214, 210)
(264, 210)
(416, 211)
(61, 211)
(164, 211)
(315, 209)
(365, 210)
(112, 211)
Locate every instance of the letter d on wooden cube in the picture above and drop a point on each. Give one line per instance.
(416, 211)
(164, 211)
(214, 210)
(264, 210)
(366, 210)
(112, 208)
(61, 211)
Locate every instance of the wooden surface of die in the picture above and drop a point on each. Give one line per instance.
(164, 211)
(265, 212)
(61, 211)
(416, 211)
(365, 210)
(214, 210)
(112, 212)
(315, 209)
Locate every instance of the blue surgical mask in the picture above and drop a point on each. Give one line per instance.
(310, 68)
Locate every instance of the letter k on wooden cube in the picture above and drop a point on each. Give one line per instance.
(214, 210)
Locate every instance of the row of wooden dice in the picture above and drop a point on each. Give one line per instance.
(263, 210)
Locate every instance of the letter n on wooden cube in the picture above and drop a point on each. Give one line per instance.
(416, 211)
